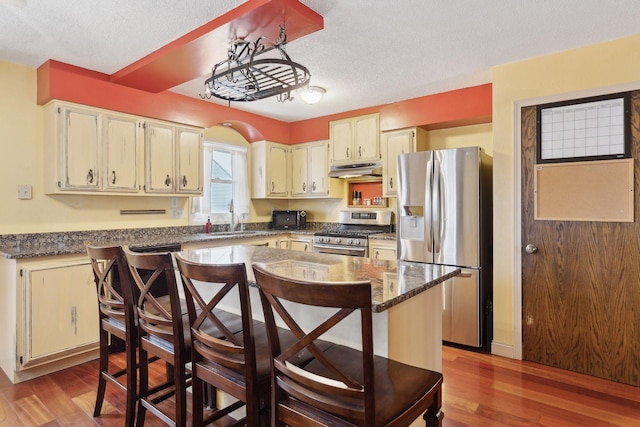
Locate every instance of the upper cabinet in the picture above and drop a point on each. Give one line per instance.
(74, 152)
(189, 162)
(95, 151)
(270, 170)
(309, 171)
(293, 171)
(159, 149)
(395, 143)
(355, 140)
(120, 136)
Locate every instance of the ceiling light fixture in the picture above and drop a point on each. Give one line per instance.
(249, 74)
(311, 94)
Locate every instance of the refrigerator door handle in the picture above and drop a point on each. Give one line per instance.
(428, 208)
(436, 206)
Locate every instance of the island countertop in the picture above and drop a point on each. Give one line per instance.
(391, 281)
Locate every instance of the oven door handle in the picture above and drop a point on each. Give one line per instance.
(339, 250)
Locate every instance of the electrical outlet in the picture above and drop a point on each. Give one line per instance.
(24, 192)
(174, 202)
(176, 213)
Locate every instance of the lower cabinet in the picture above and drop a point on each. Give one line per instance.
(55, 315)
(301, 242)
(382, 249)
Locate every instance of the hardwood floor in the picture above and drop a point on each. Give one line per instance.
(479, 390)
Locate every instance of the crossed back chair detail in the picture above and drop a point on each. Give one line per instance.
(225, 359)
(115, 301)
(341, 386)
(162, 332)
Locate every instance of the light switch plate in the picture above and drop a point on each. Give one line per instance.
(24, 192)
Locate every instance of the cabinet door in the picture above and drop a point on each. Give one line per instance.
(367, 138)
(394, 144)
(299, 171)
(341, 141)
(301, 245)
(80, 150)
(277, 167)
(283, 243)
(380, 252)
(318, 165)
(120, 141)
(189, 143)
(61, 311)
(159, 156)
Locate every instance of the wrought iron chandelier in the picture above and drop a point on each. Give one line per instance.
(250, 74)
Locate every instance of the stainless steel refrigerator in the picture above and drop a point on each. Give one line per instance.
(444, 217)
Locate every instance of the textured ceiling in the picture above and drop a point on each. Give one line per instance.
(370, 52)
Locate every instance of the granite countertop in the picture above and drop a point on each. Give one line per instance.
(391, 281)
(383, 236)
(31, 248)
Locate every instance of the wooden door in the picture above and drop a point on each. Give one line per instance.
(581, 288)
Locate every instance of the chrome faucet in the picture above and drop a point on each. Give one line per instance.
(232, 224)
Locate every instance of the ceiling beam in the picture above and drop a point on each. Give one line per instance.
(194, 54)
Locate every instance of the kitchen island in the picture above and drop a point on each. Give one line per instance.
(406, 298)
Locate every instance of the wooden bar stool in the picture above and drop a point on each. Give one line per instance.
(226, 360)
(341, 386)
(163, 331)
(117, 319)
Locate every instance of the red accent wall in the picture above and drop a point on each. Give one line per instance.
(64, 82)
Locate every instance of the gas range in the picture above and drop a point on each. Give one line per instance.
(352, 236)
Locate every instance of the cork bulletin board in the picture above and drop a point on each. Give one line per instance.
(584, 191)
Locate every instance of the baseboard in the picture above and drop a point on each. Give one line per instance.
(504, 350)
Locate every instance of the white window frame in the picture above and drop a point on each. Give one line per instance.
(200, 206)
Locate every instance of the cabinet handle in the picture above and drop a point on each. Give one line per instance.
(273, 186)
(304, 186)
(167, 181)
(377, 255)
(306, 247)
(313, 186)
(391, 182)
(90, 176)
(113, 177)
(184, 181)
(348, 153)
(360, 151)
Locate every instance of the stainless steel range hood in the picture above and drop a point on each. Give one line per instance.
(356, 170)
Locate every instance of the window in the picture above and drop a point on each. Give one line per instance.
(225, 180)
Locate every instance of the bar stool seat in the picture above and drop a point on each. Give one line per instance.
(341, 386)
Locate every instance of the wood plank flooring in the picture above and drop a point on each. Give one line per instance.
(479, 390)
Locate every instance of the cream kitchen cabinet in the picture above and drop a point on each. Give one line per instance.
(73, 153)
(121, 153)
(159, 149)
(301, 242)
(173, 159)
(270, 170)
(309, 171)
(393, 144)
(382, 249)
(355, 140)
(189, 160)
(95, 151)
(53, 304)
